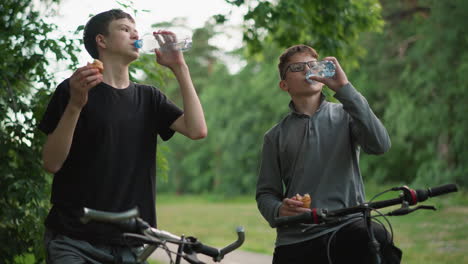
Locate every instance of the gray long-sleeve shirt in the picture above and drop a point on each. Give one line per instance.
(319, 155)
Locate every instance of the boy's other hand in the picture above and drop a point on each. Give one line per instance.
(291, 206)
(81, 82)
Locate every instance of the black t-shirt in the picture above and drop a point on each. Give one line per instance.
(112, 160)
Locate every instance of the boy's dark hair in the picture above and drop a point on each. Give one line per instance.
(291, 51)
(99, 24)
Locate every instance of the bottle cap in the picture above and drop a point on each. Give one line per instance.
(138, 44)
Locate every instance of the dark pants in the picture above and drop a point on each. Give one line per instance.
(61, 249)
(349, 245)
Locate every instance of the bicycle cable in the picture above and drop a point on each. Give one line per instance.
(379, 194)
(386, 220)
(334, 233)
(168, 251)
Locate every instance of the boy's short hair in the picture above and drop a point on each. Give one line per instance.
(291, 51)
(99, 24)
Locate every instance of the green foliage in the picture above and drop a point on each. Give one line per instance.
(414, 76)
(25, 81)
(331, 27)
(239, 109)
(129, 5)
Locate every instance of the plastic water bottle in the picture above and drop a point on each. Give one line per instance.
(322, 69)
(148, 43)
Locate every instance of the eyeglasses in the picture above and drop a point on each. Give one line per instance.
(299, 66)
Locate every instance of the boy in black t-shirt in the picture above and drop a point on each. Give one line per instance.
(101, 140)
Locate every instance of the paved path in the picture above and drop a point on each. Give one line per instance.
(235, 257)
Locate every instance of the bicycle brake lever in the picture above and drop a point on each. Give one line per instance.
(190, 255)
(407, 210)
(326, 222)
(426, 207)
(331, 221)
(192, 258)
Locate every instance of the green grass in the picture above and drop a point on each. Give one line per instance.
(214, 221)
(424, 236)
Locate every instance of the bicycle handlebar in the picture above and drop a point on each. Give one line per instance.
(138, 229)
(412, 197)
(218, 254)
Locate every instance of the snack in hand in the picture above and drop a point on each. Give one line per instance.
(97, 64)
(306, 200)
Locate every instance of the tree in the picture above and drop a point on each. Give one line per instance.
(26, 82)
(331, 27)
(415, 74)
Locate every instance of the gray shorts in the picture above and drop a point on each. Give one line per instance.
(61, 249)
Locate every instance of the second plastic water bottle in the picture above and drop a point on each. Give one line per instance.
(148, 43)
(323, 69)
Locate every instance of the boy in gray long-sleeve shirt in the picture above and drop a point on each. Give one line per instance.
(315, 150)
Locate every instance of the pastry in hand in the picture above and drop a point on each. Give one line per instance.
(98, 65)
(306, 200)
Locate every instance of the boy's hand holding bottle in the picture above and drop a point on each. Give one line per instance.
(332, 76)
(167, 47)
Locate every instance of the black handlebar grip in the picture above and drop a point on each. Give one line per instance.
(218, 254)
(294, 219)
(435, 191)
(443, 189)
